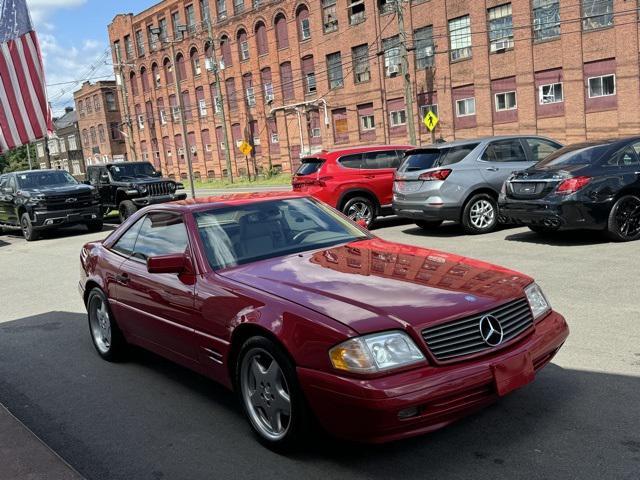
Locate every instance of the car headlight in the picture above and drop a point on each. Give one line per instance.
(172, 187)
(179, 186)
(537, 301)
(142, 189)
(375, 353)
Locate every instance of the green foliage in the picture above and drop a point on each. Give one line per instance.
(16, 159)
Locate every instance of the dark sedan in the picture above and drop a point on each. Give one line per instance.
(592, 185)
(306, 315)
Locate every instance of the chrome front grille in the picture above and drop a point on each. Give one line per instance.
(160, 188)
(462, 337)
(65, 202)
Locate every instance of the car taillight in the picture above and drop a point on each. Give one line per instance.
(572, 185)
(320, 182)
(435, 175)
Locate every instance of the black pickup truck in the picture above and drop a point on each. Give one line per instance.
(44, 199)
(128, 186)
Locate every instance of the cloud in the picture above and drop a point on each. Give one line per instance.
(40, 9)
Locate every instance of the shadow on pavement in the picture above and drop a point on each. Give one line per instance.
(150, 419)
(560, 239)
(446, 230)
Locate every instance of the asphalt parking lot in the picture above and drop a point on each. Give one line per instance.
(149, 419)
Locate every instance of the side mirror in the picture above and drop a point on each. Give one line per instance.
(362, 223)
(174, 263)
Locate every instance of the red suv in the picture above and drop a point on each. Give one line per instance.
(358, 181)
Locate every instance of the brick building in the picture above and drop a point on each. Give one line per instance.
(299, 76)
(100, 122)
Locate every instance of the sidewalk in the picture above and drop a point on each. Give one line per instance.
(23, 456)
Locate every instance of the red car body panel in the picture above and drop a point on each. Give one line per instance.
(310, 302)
(332, 181)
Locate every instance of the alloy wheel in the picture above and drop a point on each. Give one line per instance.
(100, 324)
(482, 214)
(627, 217)
(360, 211)
(266, 394)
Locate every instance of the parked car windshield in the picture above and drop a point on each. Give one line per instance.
(245, 233)
(309, 166)
(580, 154)
(36, 179)
(123, 171)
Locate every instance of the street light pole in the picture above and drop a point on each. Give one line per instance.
(185, 139)
(130, 141)
(404, 65)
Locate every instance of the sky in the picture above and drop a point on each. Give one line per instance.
(73, 37)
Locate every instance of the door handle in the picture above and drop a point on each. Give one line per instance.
(122, 279)
(492, 169)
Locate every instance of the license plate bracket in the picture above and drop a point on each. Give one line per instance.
(513, 373)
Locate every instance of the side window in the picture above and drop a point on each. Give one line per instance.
(162, 233)
(400, 158)
(504, 151)
(383, 159)
(3, 181)
(93, 176)
(351, 161)
(102, 171)
(626, 157)
(541, 148)
(456, 154)
(12, 184)
(127, 241)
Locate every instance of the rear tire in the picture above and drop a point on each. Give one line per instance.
(480, 214)
(360, 208)
(624, 219)
(126, 209)
(94, 226)
(105, 334)
(28, 232)
(429, 224)
(267, 384)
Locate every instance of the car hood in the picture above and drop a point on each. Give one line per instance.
(61, 190)
(374, 285)
(142, 181)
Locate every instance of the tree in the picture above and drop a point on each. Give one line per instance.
(17, 159)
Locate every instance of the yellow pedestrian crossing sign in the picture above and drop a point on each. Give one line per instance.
(430, 120)
(245, 148)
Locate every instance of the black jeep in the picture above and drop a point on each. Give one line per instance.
(128, 186)
(43, 199)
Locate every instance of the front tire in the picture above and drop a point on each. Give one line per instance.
(624, 219)
(272, 399)
(428, 224)
(28, 232)
(126, 209)
(360, 208)
(105, 334)
(480, 214)
(95, 226)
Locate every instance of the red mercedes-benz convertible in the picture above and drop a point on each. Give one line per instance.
(308, 315)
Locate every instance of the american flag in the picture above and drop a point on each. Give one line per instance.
(24, 111)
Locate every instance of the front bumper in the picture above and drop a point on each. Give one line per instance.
(43, 219)
(367, 409)
(144, 201)
(565, 215)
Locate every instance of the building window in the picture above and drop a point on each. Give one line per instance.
(191, 18)
(261, 38)
(94, 138)
(386, 6)
(308, 72)
(164, 31)
(144, 80)
(424, 109)
(128, 48)
(304, 27)
(88, 107)
(334, 68)
(85, 137)
(101, 133)
(551, 93)
(96, 103)
(460, 38)
(204, 10)
(391, 47)
(250, 96)
(340, 125)
(367, 122)
(500, 28)
(155, 73)
(195, 63)
(360, 57)
(356, 12)
(153, 38)
(398, 118)
(225, 47)
(282, 33)
(202, 107)
(603, 86)
(238, 6)
(329, 16)
(140, 42)
(175, 21)
(73, 144)
(243, 46)
(222, 9)
(81, 108)
(286, 81)
(546, 19)
(465, 107)
(423, 38)
(505, 101)
(115, 131)
(231, 93)
(310, 83)
(597, 14)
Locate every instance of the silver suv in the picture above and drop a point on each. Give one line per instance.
(461, 180)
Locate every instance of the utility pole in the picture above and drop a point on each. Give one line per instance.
(216, 73)
(183, 123)
(404, 66)
(29, 155)
(131, 144)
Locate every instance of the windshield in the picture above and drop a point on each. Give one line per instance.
(132, 170)
(246, 233)
(420, 160)
(574, 155)
(35, 179)
(309, 166)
